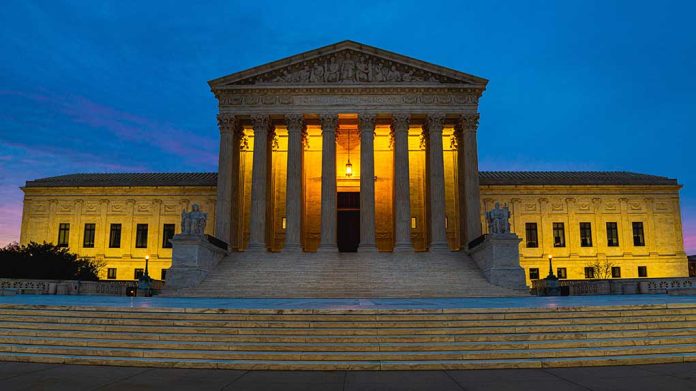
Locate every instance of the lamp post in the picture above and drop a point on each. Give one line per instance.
(147, 260)
(551, 275)
(551, 281)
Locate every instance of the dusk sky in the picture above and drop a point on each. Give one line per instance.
(120, 86)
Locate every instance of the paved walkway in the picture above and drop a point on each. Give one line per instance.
(429, 303)
(26, 376)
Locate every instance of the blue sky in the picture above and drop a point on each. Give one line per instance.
(114, 86)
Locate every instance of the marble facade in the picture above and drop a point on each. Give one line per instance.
(338, 89)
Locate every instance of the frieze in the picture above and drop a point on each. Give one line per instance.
(322, 99)
(348, 67)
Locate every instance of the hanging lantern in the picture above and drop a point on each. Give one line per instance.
(349, 167)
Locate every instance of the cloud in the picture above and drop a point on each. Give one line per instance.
(125, 126)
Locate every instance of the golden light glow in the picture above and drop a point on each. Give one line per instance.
(349, 169)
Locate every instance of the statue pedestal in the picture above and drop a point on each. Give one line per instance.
(193, 257)
(498, 257)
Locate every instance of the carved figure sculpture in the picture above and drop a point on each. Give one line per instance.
(193, 222)
(362, 71)
(333, 69)
(498, 219)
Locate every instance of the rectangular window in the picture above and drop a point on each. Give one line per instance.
(167, 233)
(533, 273)
(63, 234)
(589, 272)
(612, 235)
(88, 240)
(558, 235)
(561, 273)
(164, 274)
(585, 235)
(111, 273)
(615, 272)
(638, 234)
(532, 235)
(115, 236)
(141, 236)
(642, 271)
(137, 273)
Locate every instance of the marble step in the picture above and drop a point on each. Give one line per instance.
(346, 346)
(349, 331)
(308, 338)
(354, 365)
(514, 311)
(352, 356)
(214, 324)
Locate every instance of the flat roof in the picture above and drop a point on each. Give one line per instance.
(485, 178)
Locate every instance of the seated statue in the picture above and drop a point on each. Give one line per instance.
(193, 222)
(498, 219)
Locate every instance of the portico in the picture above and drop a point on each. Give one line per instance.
(290, 128)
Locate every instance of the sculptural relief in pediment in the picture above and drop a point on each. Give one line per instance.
(348, 67)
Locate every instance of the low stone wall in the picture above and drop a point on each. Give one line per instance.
(623, 286)
(9, 286)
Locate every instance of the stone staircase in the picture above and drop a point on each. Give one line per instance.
(335, 275)
(349, 339)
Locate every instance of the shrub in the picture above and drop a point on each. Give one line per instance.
(45, 261)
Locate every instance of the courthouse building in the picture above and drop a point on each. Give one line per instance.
(349, 148)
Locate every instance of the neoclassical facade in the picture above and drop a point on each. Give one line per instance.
(350, 148)
(319, 102)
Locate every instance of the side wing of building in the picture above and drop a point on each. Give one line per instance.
(628, 223)
(631, 222)
(118, 220)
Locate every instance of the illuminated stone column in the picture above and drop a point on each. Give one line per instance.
(226, 185)
(471, 195)
(438, 234)
(402, 196)
(366, 125)
(257, 226)
(329, 123)
(293, 200)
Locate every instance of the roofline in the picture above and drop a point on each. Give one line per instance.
(215, 83)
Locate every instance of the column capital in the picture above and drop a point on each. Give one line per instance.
(329, 123)
(468, 122)
(295, 122)
(435, 122)
(366, 122)
(227, 123)
(260, 123)
(400, 122)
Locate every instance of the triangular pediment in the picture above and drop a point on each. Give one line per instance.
(347, 63)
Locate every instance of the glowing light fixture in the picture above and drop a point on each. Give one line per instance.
(349, 167)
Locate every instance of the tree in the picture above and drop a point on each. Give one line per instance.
(602, 270)
(46, 261)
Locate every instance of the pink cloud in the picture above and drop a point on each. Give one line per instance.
(131, 127)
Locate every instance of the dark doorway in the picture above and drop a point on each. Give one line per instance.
(348, 224)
